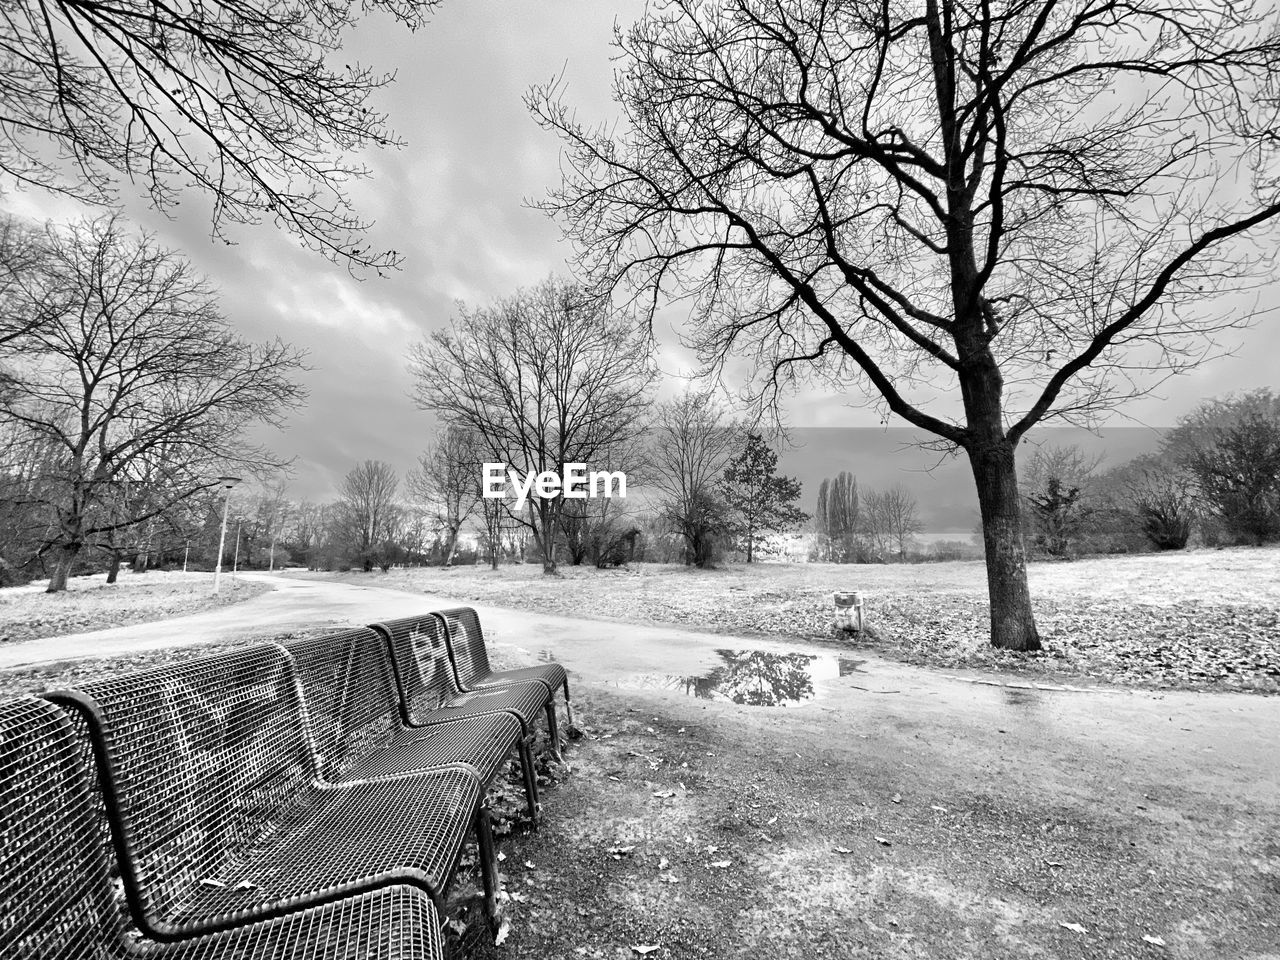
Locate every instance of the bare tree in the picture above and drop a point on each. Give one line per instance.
(134, 377)
(983, 215)
(447, 481)
(248, 103)
(595, 529)
(543, 378)
(691, 444)
(21, 250)
(1057, 485)
(370, 513)
(890, 520)
(839, 519)
(1155, 494)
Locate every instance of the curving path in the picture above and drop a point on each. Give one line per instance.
(1223, 743)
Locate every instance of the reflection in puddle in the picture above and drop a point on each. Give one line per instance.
(755, 678)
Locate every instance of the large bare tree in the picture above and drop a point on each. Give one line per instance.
(447, 482)
(546, 377)
(691, 444)
(984, 215)
(248, 103)
(133, 380)
(369, 514)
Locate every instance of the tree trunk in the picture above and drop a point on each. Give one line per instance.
(114, 570)
(451, 546)
(62, 568)
(544, 533)
(1013, 625)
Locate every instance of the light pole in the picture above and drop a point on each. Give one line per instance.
(227, 484)
(235, 563)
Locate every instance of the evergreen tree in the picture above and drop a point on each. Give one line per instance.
(760, 500)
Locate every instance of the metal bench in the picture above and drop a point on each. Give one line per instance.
(470, 658)
(56, 896)
(221, 816)
(429, 687)
(360, 727)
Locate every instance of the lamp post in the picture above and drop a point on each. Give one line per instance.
(227, 483)
(235, 563)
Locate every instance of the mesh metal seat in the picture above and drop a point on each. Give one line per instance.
(56, 897)
(221, 816)
(358, 725)
(465, 641)
(429, 686)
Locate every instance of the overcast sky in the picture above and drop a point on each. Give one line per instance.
(454, 202)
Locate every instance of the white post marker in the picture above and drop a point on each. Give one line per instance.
(227, 484)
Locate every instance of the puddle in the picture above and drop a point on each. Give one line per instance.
(754, 678)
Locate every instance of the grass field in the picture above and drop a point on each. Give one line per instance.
(90, 603)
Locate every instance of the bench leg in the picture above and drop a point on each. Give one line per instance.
(553, 730)
(530, 779)
(568, 706)
(488, 863)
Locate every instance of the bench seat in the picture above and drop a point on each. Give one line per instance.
(360, 728)
(58, 902)
(465, 641)
(429, 686)
(222, 814)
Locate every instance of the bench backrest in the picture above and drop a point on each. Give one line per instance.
(466, 643)
(352, 699)
(56, 901)
(422, 662)
(198, 760)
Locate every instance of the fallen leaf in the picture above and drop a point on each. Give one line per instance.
(663, 863)
(664, 794)
(897, 798)
(883, 842)
(644, 949)
(528, 865)
(771, 821)
(504, 931)
(210, 882)
(843, 850)
(669, 878)
(719, 864)
(1147, 938)
(1073, 927)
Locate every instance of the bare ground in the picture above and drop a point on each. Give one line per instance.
(90, 603)
(1200, 619)
(684, 832)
